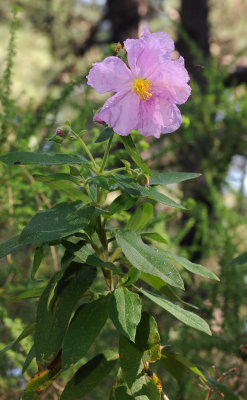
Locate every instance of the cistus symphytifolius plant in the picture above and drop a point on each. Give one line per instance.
(147, 90)
(105, 238)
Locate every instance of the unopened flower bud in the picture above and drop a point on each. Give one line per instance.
(74, 170)
(98, 119)
(60, 132)
(143, 180)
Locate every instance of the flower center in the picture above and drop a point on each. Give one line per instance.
(142, 87)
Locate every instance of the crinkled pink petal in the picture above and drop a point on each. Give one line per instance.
(146, 53)
(158, 116)
(170, 81)
(121, 112)
(171, 115)
(110, 75)
(150, 118)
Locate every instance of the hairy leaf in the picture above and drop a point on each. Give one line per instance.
(23, 157)
(53, 319)
(83, 330)
(60, 221)
(192, 267)
(167, 178)
(89, 376)
(148, 259)
(125, 311)
(187, 317)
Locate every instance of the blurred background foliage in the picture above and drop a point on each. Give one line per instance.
(46, 52)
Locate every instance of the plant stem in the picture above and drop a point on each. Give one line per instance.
(103, 239)
(86, 150)
(115, 254)
(106, 155)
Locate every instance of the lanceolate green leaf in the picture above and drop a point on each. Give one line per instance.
(63, 185)
(95, 261)
(182, 362)
(134, 153)
(89, 376)
(148, 338)
(60, 221)
(26, 332)
(125, 311)
(174, 367)
(133, 188)
(163, 288)
(187, 317)
(38, 257)
(140, 217)
(104, 135)
(83, 330)
(148, 259)
(121, 203)
(242, 259)
(192, 267)
(53, 318)
(22, 157)
(10, 245)
(167, 178)
(130, 360)
(154, 236)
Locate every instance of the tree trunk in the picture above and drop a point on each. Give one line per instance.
(194, 22)
(125, 17)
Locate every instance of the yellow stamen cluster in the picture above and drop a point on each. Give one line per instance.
(142, 87)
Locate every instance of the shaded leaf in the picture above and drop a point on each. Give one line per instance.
(134, 153)
(130, 360)
(31, 293)
(29, 359)
(187, 317)
(148, 338)
(95, 261)
(61, 185)
(89, 376)
(154, 236)
(133, 188)
(23, 157)
(140, 217)
(125, 311)
(147, 259)
(83, 330)
(121, 203)
(104, 135)
(10, 245)
(60, 221)
(38, 257)
(242, 259)
(53, 319)
(173, 366)
(26, 332)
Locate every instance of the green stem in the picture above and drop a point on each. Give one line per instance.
(86, 150)
(106, 155)
(113, 171)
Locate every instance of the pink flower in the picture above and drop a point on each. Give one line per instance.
(147, 92)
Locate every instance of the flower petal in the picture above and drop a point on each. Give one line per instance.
(121, 112)
(150, 119)
(170, 81)
(171, 115)
(146, 53)
(158, 116)
(109, 75)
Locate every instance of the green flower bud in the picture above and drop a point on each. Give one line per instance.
(143, 179)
